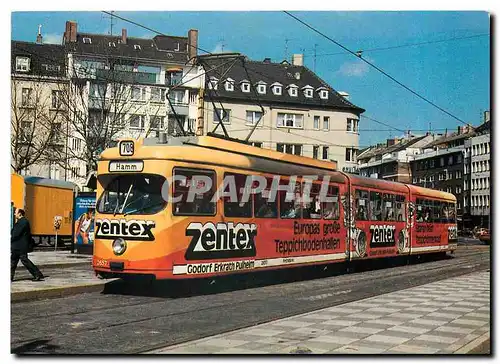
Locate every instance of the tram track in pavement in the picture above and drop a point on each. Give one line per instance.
(144, 323)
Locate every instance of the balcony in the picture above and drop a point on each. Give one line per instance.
(180, 109)
(112, 76)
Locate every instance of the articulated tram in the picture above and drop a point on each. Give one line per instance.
(156, 213)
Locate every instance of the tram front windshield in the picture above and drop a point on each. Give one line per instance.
(131, 194)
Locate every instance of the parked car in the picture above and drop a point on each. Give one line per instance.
(484, 235)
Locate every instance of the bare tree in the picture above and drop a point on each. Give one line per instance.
(105, 102)
(36, 121)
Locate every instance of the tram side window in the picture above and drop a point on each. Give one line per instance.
(445, 212)
(400, 208)
(263, 206)
(362, 202)
(389, 206)
(437, 211)
(312, 209)
(452, 209)
(290, 208)
(331, 210)
(376, 207)
(238, 207)
(201, 203)
(420, 210)
(428, 207)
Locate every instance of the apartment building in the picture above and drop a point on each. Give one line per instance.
(391, 161)
(285, 107)
(38, 115)
(127, 86)
(440, 165)
(477, 181)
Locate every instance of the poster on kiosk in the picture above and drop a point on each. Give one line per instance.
(84, 212)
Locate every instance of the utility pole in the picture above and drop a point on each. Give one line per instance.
(222, 44)
(111, 19)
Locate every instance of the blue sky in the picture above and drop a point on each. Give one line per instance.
(454, 74)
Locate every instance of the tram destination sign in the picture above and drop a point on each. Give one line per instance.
(126, 166)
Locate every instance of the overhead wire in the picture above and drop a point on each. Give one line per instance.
(375, 67)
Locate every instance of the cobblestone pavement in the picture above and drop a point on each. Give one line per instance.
(437, 318)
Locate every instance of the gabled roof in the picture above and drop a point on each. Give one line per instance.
(159, 48)
(40, 55)
(390, 149)
(286, 74)
(450, 138)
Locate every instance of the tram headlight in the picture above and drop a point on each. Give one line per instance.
(119, 246)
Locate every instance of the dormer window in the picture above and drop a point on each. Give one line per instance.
(277, 88)
(87, 40)
(137, 47)
(229, 84)
(323, 92)
(261, 87)
(212, 84)
(293, 90)
(112, 44)
(308, 91)
(245, 86)
(22, 64)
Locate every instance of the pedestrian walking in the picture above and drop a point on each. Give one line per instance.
(20, 242)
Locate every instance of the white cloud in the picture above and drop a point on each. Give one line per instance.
(356, 68)
(52, 38)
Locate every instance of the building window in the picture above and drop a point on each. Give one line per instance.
(51, 67)
(212, 83)
(326, 123)
(442, 176)
(277, 90)
(193, 97)
(431, 178)
(458, 174)
(325, 153)
(261, 89)
(257, 144)
(253, 117)
(157, 122)
(431, 163)
(26, 96)
(223, 114)
(458, 189)
(449, 189)
(290, 120)
(56, 99)
(229, 85)
(316, 122)
(315, 151)
(177, 97)
(289, 148)
(308, 92)
(112, 44)
(87, 40)
(292, 91)
(245, 87)
(441, 161)
(22, 64)
(415, 180)
(450, 160)
(137, 47)
(323, 94)
(350, 155)
(459, 158)
(157, 94)
(137, 93)
(137, 121)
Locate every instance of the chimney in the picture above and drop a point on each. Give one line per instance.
(39, 36)
(70, 32)
(391, 142)
(460, 130)
(124, 36)
(298, 60)
(486, 116)
(192, 43)
(267, 60)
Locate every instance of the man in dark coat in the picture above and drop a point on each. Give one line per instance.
(19, 245)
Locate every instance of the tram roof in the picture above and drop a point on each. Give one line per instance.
(378, 183)
(214, 151)
(427, 192)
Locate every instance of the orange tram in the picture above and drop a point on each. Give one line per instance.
(139, 232)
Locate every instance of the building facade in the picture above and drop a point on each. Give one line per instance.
(282, 106)
(391, 161)
(477, 181)
(38, 115)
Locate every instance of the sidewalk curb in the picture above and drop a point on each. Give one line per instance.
(65, 265)
(467, 348)
(56, 292)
